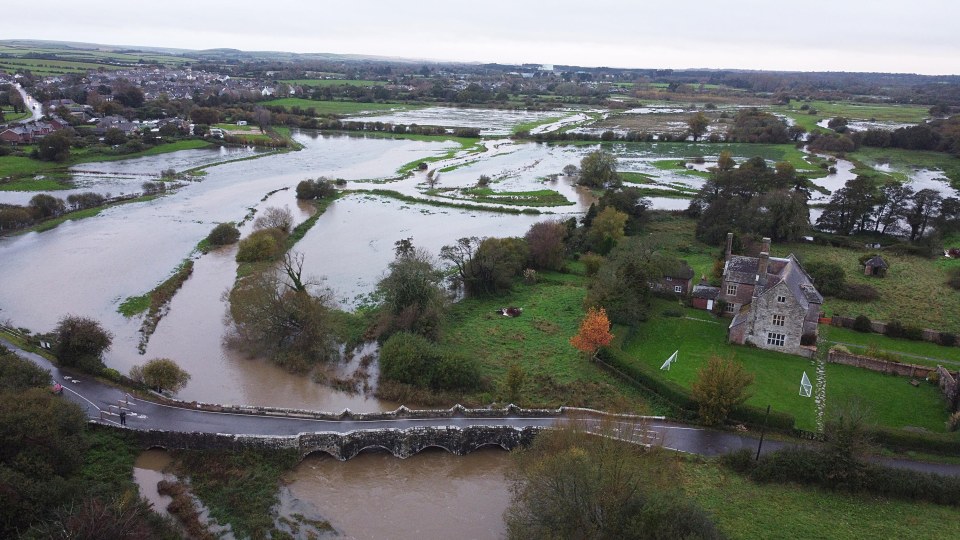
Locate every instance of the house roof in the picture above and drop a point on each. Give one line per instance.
(798, 282)
(740, 269)
(706, 291)
(877, 262)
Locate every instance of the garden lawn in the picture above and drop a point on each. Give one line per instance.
(859, 342)
(892, 400)
(537, 341)
(744, 509)
(776, 375)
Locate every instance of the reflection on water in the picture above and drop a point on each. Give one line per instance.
(147, 473)
(433, 494)
(490, 121)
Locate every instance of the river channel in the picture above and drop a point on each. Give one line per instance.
(88, 267)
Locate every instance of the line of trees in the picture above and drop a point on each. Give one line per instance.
(861, 206)
(752, 198)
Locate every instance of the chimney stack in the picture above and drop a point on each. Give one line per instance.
(729, 246)
(766, 246)
(762, 264)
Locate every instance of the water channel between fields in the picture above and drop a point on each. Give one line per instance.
(88, 267)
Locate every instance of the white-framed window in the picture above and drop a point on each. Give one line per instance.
(775, 339)
(732, 289)
(677, 289)
(778, 320)
(781, 299)
(729, 308)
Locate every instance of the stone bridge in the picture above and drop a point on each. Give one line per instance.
(402, 443)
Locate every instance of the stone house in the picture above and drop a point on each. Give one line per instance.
(773, 301)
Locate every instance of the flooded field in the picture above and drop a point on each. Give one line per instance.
(433, 494)
(489, 121)
(89, 267)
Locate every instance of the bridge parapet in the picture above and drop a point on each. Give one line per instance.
(402, 443)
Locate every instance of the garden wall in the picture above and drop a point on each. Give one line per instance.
(876, 364)
(949, 387)
(933, 336)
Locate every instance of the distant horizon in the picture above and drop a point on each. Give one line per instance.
(414, 60)
(879, 36)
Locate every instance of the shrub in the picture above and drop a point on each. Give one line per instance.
(412, 359)
(948, 339)
(953, 423)
(673, 312)
(862, 324)
(954, 278)
(310, 189)
(720, 386)
(262, 245)
(894, 329)
(591, 263)
(829, 278)
(858, 292)
(648, 379)
(914, 333)
(808, 339)
(274, 218)
(223, 234)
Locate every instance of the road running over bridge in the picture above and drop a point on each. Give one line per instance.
(103, 402)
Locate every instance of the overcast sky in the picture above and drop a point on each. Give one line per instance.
(914, 36)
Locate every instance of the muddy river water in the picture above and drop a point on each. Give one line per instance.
(88, 267)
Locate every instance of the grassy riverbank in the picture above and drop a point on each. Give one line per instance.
(539, 342)
(744, 509)
(18, 166)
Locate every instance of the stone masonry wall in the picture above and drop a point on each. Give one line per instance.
(401, 443)
(876, 364)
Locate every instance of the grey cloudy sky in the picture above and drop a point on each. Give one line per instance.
(915, 36)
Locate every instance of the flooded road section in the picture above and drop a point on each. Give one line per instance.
(433, 494)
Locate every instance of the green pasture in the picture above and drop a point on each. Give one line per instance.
(337, 107)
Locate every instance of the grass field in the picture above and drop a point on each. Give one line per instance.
(777, 375)
(542, 197)
(336, 107)
(746, 510)
(17, 166)
(912, 114)
(900, 295)
(537, 341)
(859, 342)
(10, 116)
(913, 291)
(901, 160)
(333, 82)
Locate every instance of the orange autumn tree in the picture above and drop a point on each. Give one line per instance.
(594, 332)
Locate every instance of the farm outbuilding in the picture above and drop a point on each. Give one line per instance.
(875, 266)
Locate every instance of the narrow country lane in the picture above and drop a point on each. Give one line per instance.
(101, 403)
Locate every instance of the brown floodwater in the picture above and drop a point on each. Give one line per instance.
(148, 472)
(433, 494)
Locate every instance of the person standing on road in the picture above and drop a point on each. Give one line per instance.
(123, 418)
